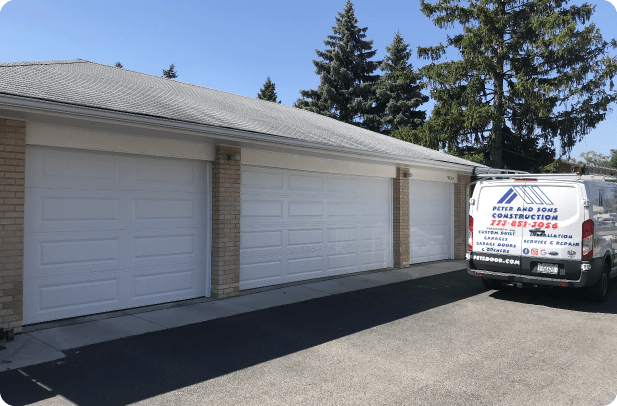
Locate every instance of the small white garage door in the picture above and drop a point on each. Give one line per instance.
(298, 225)
(107, 231)
(431, 218)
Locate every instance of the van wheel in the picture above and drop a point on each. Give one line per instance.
(599, 291)
(490, 284)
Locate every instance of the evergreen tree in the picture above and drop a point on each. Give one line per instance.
(532, 72)
(268, 91)
(171, 72)
(612, 163)
(345, 70)
(118, 65)
(396, 94)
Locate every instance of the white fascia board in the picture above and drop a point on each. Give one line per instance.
(432, 175)
(305, 163)
(222, 135)
(79, 138)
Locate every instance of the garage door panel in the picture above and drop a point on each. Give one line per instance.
(305, 237)
(340, 261)
(170, 282)
(93, 251)
(299, 182)
(341, 209)
(89, 250)
(262, 209)
(257, 273)
(53, 297)
(326, 222)
(65, 253)
(342, 185)
(430, 220)
(300, 209)
(57, 168)
(370, 258)
(313, 265)
(50, 168)
(93, 292)
(261, 239)
(72, 210)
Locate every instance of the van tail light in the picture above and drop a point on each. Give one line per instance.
(470, 238)
(587, 245)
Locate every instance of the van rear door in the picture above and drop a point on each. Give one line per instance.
(552, 229)
(496, 236)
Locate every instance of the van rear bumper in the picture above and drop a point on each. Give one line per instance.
(536, 280)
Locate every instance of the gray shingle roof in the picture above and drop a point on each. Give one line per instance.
(89, 84)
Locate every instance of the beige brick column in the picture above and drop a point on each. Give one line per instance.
(12, 189)
(400, 216)
(460, 216)
(225, 267)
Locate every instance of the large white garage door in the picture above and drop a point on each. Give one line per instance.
(298, 225)
(106, 231)
(431, 218)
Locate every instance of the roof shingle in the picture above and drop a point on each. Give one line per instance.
(89, 84)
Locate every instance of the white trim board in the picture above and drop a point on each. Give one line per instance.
(432, 175)
(68, 137)
(304, 163)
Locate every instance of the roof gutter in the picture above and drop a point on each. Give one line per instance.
(50, 107)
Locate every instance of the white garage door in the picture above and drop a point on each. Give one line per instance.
(431, 218)
(106, 231)
(300, 225)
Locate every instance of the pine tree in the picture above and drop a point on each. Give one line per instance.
(397, 92)
(345, 70)
(118, 65)
(171, 72)
(612, 163)
(532, 71)
(268, 91)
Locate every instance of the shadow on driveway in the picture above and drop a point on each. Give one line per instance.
(561, 298)
(141, 367)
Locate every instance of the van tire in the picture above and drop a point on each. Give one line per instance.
(491, 284)
(599, 290)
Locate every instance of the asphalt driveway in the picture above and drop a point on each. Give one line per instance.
(438, 340)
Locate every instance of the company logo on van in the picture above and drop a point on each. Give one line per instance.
(529, 194)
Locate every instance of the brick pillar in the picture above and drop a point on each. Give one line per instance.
(400, 216)
(12, 189)
(225, 268)
(460, 216)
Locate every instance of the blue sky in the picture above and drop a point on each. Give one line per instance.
(228, 45)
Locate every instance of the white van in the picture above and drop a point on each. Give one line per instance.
(556, 230)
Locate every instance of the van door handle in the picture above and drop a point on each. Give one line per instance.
(538, 230)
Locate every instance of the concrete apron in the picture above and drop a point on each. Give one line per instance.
(45, 342)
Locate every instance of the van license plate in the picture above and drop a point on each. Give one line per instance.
(551, 269)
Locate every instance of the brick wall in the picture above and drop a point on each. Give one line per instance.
(460, 216)
(400, 216)
(225, 268)
(12, 165)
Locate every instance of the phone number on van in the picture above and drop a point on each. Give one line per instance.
(520, 223)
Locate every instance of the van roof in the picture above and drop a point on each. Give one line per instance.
(569, 177)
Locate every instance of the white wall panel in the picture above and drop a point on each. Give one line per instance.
(96, 242)
(298, 225)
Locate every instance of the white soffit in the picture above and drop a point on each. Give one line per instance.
(432, 175)
(306, 163)
(77, 138)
